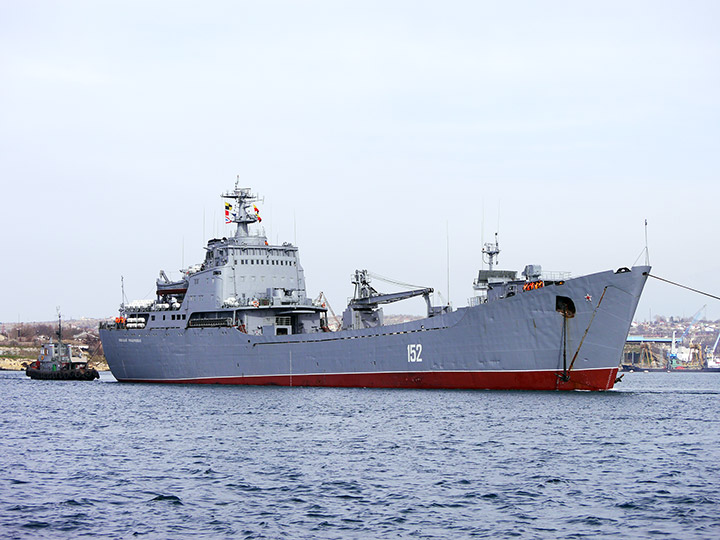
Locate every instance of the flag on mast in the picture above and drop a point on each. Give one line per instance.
(228, 207)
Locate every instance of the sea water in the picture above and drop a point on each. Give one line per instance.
(113, 460)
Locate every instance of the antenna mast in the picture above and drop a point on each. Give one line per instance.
(59, 332)
(492, 251)
(447, 241)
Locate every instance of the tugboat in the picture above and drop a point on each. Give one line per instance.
(56, 362)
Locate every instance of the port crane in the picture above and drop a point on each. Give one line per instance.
(690, 348)
(694, 320)
(710, 354)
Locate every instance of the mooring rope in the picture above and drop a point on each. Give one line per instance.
(648, 274)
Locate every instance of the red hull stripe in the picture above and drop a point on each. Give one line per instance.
(591, 379)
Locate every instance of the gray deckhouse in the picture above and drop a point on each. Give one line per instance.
(243, 282)
(258, 288)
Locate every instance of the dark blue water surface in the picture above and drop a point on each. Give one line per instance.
(105, 459)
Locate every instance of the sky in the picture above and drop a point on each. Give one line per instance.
(393, 136)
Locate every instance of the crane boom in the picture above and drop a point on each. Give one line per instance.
(366, 297)
(715, 346)
(377, 299)
(694, 320)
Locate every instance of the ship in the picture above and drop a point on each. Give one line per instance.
(57, 361)
(243, 316)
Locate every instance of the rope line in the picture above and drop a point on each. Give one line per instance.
(394, 281)
(682, 286)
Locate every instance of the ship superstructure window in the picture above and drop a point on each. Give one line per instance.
(283, 326)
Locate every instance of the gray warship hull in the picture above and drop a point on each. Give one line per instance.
(520, 342)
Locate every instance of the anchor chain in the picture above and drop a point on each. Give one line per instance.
(565, 377)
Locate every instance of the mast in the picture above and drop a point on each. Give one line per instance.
(492, 251)
(59, 332)
(241, 210)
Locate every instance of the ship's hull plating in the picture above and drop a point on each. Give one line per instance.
(513, 343)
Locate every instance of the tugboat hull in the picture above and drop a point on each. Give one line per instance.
(62, 375)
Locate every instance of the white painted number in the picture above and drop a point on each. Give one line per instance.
(414, 352)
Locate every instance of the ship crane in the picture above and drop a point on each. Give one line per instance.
(323, 301)
(366, 297)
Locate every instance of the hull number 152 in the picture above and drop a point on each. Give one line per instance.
(414, 352)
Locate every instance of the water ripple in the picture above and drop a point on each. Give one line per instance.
(220, 462)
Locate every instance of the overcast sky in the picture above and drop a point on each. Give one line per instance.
(375, 131)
